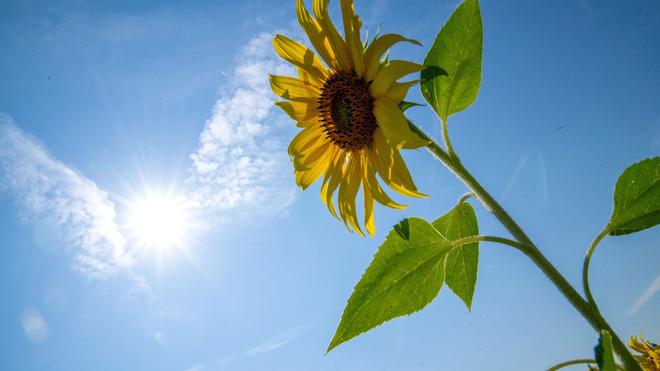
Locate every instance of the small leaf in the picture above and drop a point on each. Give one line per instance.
(461, 266)
(404, 105)
(405, 275)
(604, 352)
(637, 198)
(450, 82)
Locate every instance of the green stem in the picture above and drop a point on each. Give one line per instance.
(465, 197)
(585, 281)
(445, 135)
(585, 269)
(596, 321)
(571, 363)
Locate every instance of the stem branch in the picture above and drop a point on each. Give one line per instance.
(585, 268)
(500, 240)
(595, 319)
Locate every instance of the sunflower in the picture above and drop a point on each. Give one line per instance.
(650, 353)
(347, 104)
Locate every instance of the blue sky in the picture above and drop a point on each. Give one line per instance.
(106, 103)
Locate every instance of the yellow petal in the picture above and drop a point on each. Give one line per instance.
(308, 160)
(369, 223)
(300, 111)
(382, 155)
(352, 26)
(305, 178)
(347, 193)
(328, 29)
(306, 137)
(309, 78)
(299, 55)
(391, 72)
(375, 189)
(395, 125)
(293, 89)
(392, 169)
(332, 179)
(401, 180)
(316, 35)
(377, 48)
(398, 90)
(314, 121)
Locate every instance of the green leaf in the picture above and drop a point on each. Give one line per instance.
(605, 353)
(405, 275)
(461, 266)
(404, 105)
(450, 82)
(637, 198)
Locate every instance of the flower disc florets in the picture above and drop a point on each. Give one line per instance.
(346, 107)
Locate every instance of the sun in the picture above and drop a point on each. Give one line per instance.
(160, 221)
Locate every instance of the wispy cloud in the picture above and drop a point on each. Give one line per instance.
(240, 167)
(63, 201)
(276, 342)
(241, 161)
(514, 178)
(34, 326)
(650, 291)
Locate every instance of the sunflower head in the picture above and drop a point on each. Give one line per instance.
(649, 353)
(346, 101)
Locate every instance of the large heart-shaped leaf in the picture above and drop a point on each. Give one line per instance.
(405, 275)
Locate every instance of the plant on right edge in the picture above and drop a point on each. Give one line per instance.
(350, 108)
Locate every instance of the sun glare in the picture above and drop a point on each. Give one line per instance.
(160, 221)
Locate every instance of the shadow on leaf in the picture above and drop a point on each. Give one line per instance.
(403, 229)
(431, 72)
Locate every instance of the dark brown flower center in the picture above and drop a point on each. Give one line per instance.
(346, 108)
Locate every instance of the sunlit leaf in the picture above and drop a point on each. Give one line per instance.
(405, 275)
(461, 266)
(450, 82)
(637, 198)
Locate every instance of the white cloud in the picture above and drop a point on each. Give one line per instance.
(650, 291)
(62, 203)
(34, 326)
(241, 161)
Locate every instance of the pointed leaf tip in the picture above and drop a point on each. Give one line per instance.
(405, 275)
(452, 77)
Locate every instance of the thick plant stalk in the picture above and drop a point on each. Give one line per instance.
(582, 306)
